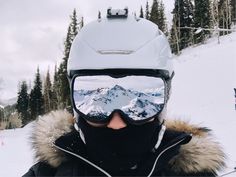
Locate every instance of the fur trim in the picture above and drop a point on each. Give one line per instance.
(46, 130)
(202, 153)
(183, 126)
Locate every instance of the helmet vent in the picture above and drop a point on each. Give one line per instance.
(118, 52)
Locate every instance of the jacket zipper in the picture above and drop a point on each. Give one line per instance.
(161, 153)
(106, 173)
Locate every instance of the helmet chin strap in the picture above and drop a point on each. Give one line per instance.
(160, 136)
(80, 132)
(76, 115)
(162, 114)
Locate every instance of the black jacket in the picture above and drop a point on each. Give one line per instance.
(185, 150)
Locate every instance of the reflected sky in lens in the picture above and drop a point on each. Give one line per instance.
(139, 83)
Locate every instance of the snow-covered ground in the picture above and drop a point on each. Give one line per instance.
(202, 92)
(15, 152)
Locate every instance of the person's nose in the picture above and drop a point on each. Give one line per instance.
(116, 122)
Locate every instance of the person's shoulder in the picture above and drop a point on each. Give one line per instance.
(202, 155)
(46, 130)
(40, 169)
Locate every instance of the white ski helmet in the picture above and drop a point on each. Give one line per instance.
(119, 46)
(120, 41)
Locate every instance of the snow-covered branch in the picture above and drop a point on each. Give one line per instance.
(207, 29)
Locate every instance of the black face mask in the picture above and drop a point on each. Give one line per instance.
(119, 150)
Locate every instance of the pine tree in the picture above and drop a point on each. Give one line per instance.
(1, 115)
(147, 12)
(47, 93)
(64, 91)
(225, 20)
(215, 13)
(81, 23)
(64, 88)
(154, 15)
(233, 9)
(202, 19)
(181, 37)
(141, 12)
(174, 38)
(157, 15)
(55, 91)
(36, 97)
(74, 25)
(22, 105)
(99, 15)
(162, 19)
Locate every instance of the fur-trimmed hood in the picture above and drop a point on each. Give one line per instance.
(202, 153)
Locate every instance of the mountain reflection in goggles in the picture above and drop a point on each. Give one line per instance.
(139, 97)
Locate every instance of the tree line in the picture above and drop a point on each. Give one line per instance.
(50, 93)
(193, 21)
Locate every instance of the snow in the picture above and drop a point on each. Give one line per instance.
(199, 30)
(202, 92)
(15, 151)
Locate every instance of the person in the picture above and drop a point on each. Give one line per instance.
(120, 71)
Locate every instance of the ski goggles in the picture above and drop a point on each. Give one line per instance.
(137, 97)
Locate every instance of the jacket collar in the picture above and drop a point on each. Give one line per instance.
(202, 153)
(72, 144)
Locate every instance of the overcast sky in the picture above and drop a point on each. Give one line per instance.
(32, 34)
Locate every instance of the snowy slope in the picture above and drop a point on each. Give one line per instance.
(202, 92)
(15, 152)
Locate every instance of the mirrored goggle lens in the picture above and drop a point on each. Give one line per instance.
(139, 97)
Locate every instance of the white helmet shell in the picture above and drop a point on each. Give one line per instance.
(120, 43)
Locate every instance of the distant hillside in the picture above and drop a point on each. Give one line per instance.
(11, 101)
